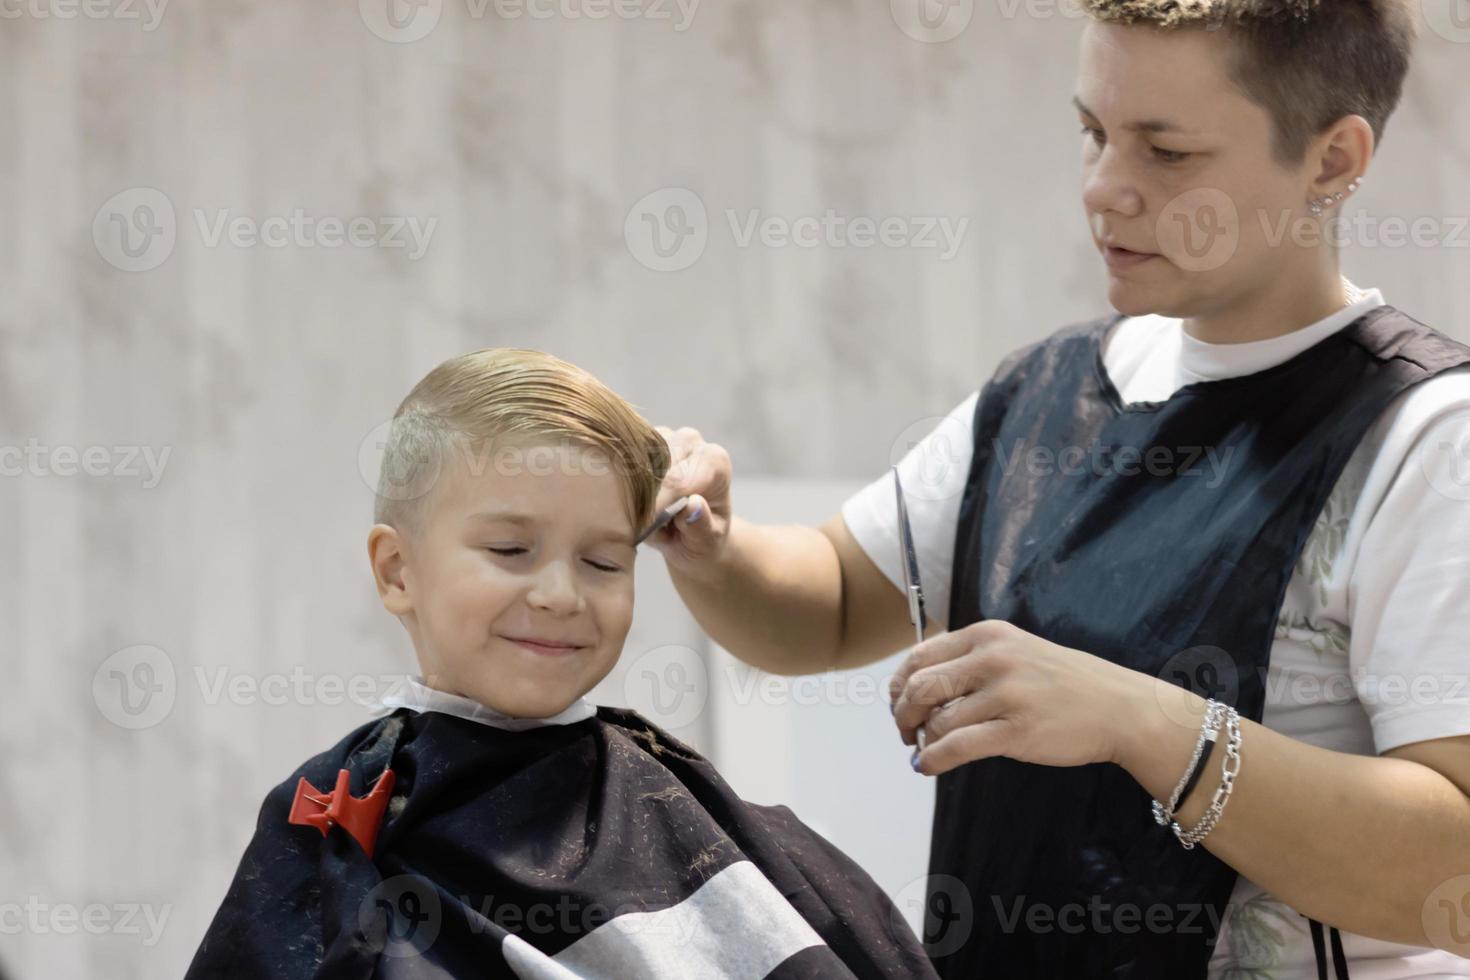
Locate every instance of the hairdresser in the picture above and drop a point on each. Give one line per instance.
(1198, 570)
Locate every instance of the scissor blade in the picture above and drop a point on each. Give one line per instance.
(912, 587)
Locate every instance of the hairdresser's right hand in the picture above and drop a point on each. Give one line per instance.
(695, 539)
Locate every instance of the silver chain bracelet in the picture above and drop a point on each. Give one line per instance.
(1197, 833)
(1214, 710)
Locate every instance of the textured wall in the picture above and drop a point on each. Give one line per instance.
(525, 149)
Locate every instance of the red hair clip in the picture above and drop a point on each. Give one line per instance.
(359, 816)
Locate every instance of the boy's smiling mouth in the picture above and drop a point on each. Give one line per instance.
(545, 645)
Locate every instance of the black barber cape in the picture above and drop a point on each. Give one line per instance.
(602, 848)
(1171, 565)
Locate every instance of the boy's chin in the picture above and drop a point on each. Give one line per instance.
(536, 701)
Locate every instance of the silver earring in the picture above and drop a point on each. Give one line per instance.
(1320, 204)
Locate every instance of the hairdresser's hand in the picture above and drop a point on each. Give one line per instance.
(1017, 695)
(695, 538)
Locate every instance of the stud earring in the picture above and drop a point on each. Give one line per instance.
(1320, 204)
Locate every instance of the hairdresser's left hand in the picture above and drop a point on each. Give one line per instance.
(1020, 696)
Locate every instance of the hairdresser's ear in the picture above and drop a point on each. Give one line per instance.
(1345, 151)
(385, 554)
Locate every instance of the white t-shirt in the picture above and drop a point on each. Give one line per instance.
(1372, 646)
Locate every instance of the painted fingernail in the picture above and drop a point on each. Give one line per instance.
(915, 760)
(694, 515)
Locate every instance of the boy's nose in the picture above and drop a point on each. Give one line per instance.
(555, 589)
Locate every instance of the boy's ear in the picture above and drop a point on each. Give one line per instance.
(385, 554)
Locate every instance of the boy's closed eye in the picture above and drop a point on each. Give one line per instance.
(513, 551)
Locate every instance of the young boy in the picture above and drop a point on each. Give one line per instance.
(495, 823)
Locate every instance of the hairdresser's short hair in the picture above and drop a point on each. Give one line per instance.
(479, 405)
(1306, 62)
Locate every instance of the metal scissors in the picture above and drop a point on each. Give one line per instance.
(912, 588)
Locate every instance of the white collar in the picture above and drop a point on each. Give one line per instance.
(416, 696)
(1200, 361)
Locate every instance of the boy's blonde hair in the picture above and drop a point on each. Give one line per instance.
(502, 398)
(1306, 62)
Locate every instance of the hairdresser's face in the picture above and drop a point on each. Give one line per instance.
(522, 584)
(1192, 196)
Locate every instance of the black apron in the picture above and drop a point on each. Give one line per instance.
(1171, 564)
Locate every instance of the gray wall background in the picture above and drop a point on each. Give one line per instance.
(533, 144)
